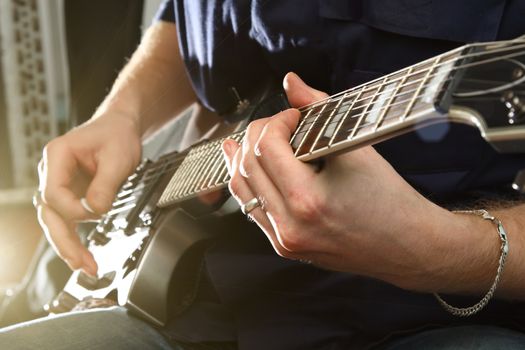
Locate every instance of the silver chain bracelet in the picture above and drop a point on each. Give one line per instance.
(468, 311)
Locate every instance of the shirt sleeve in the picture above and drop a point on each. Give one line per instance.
(166, 12)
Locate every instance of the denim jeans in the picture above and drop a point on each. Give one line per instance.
(115, 329)
(112, 328)
(461, 338)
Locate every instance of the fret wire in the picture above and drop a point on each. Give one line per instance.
(410, 74)
(184, 165)
(449, 53)
(358, 99)
(343, 119)
(197, 173)
(175, 183)
(310, 128)
(369, 124)
(383, 92)
(220, 178)
(225, 178)
(298, 129)
(182, 173)
(201, 169)
(211, 159)
(215, 167)
(454, 68)
(394, 118)
(391, 99)
(394, 104)
(221, 165)
(195, 170)
(223, 175)
(326, 123)
(186, 177)
(372, 101)
(418, 90)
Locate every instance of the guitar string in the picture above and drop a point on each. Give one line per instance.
(329, 99)
(222, 165)
(170, 168)
(304, 130)
(388, 118)
(369, 98)
(416, 72)
(309, 119)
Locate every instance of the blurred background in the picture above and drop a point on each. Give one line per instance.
(58, 59)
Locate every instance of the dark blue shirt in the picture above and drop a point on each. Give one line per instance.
(333, 45)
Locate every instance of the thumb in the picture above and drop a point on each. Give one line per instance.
(298, 93)
(111, 173)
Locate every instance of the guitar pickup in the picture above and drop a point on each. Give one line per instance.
(92, 283)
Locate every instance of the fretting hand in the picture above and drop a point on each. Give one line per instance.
(356, 214)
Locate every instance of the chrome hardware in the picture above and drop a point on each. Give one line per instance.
(146, 218)
(516, 107)
(242, 105)
(519, 182)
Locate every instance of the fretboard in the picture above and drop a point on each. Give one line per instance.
(353, 118)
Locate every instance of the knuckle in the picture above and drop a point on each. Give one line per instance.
(234, 185)
(262, 146)
(52, 146)
(48, 196)
(293, 241)
(257, 124)
(305, 206)
(100, 201)
(282, 252)
(247, 165)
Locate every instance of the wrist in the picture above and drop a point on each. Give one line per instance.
(456, 253)
(466, 256)
(112, 110)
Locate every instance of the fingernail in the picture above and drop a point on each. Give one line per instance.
(90, 266)
(85, 205)
(227, 147)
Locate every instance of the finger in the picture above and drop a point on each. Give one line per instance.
(250, 138)
(112, 170)
(299, 94)
(276, 157)
(242, 193)
(58, 171)
(255, 176)
(65, 242)
(237, 185)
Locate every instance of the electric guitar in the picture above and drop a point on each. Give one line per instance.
(149, 245)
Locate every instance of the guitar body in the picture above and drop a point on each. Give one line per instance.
(150, 259)
(149, 246)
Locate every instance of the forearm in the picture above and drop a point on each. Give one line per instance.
(463, 254)
(153, 87)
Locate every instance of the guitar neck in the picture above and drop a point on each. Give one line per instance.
(362, 115)
(374, 111)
